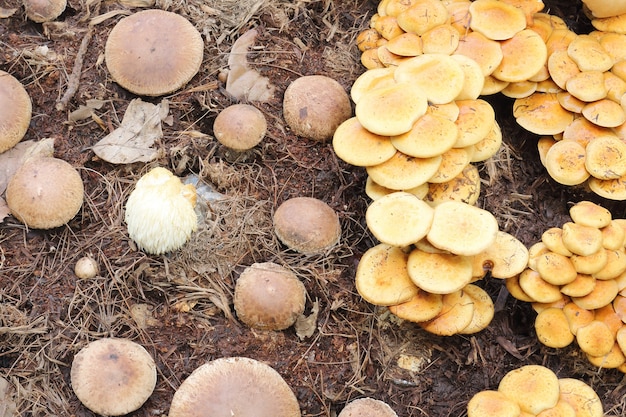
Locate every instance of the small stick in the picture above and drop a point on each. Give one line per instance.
(74, 79)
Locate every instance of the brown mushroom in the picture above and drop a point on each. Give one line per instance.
(240, 127)
(16, 111)
(40, 11)
(367, 407)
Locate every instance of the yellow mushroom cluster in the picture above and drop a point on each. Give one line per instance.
(576, 282)
(535, 390)
(425, 267)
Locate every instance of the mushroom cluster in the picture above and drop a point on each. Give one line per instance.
(428, 259)
(576, 282)
(536, 390)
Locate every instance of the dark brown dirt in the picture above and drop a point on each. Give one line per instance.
(47, 314)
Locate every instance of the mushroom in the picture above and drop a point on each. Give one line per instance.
(160, 213)
(484, 309)
(490, 403)
(439, 273)
(45, 193)
(534, 388)
(16, 111)
(307, 225)
(40, 11)
(86, 268)
(269, 297)
(422, 16)
(553, 328)
(153, 52)
(486, 52)
(603, 8)
(113, 376)
(587, 213)
(423, 306)
(455, 315)
(595, 338)
(367, 407)
(506, 256)
(403, 172)
(496, 19)
(359, 147)
(234, 386)
(240, 127)
(581, 397)
(431, 135)
(523, 56)
(315, 105)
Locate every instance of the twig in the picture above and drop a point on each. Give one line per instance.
(74, 80)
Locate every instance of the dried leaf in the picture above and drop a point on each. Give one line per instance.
(142, 314)
(133, 140)
(4, 12)
(8, 406)
(244, 82)
(85, 111)
(305, 325)
(12, 159)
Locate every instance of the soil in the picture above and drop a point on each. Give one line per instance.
(47, 315)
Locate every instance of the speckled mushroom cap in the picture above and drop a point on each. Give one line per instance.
(240, 127)
(307, 225)
(45, 193)
(234, 386)
(153, 52)
(367, 407)
(16, 111)
(113, 376)
(315, 105)
(269, 296)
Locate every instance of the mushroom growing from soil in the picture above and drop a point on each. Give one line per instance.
(235, 386)
(16, 111)
(315, 105)
(269, 296)
(40, 11)
(367, 407)
(113, 376)
(160, 212)
(307, 225)
(45, 193)
(240, 127)
(86, 268)
(153, 52)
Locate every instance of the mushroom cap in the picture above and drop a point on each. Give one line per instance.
(486, 52)
(535, 388)
(367, 407)
(453, 162)
(86, 268)
(371, 79)
(588, 213)
(160, 213)
(602, 8)
(489, 145)
(576, 316)
(269, 296)
(552, 328)
(523, 56)
(581, 396)
(614, 359)
(431, 135)
(465, 187)
(565, 162)
(553, 239)
(555, 268)
(422, 16)
(589, 54)
(234, 386)
(307, 225)
(507, 257)
(581, 286)
(403, 172)
(490, 403)
(16, 111)
(615, 265)
(45, 193)
(40, 11)
(240, 127)
(455, 315)
(423, 306)
(537, 288)
(382, 277)
(315, 105)
(605, 113)
(475, 121)
(603, 293)
(541, 113)
(590, 264)
(587, 86)
(609, 189)
(613, 236)
(113, 376)
(496, 19)
(484, 309)
(595, 338)
(358, 146)
(442, 39)
(153, 52)
(439, 273)
(581, 240)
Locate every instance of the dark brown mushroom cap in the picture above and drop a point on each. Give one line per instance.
(44, 10)
(113, 376)
(315, 105)
(16, 111)
(45, 193)
(235, 386)
(269, 296)
(153, 52)
(307, 225)
(240, 127)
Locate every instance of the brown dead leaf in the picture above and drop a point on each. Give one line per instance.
(4, 12)
(12, 159)
(305, 325)
(132, 141)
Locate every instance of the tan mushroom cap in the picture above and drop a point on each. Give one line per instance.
(307, 225)
(486, 52)
(217, 388)
(314, 105)
(163, 59)
(589, 54)
(580, 396)
(453, 162)
(542, 114)
(358, 146)
(456, 315)
(590, 264)
(571, 104)
(523, 56)
(269, 297)
(439, 273)
(367, 407)
(520, 89)
(537, 288)
(403, 172)
(484, 309)
(506, 256)
(614, 359)
(493, 86)
(605, 113)
(40, 11)
(371, 79)
(614, 24)
(560, 303)
(475, 121)
(431, 135)
(587, 86)
(602, 9)
(45, 193)
(495, 19)
(449, 111)
(442, 39)
(382, 277)
(552, 328)
(113, 376)
(438, 76)
(488, 403)
(581, 240)
(535, 388)
(16, 111)
(406, 44)
(613, 236)
(577, 317)
(565, 162)
(583, 131)
(474, 78)
(489, 145)
(423, 306)
(387, 26)
(615, 86)
(615, 265)
(603, 293)
(595, 339)
(366, 39)
(516, 291)
(561, 67)
(582, 285)
(375, 190)
(561, 409)
(86, 267)
(588, 213)
(465, 188)
(391, 110)
(606, 157)
(462, 229)
(609, 189)
(423, 16)
(553, 239)
(399, 218)
(543, 146)
(240, 127)
(556, 269)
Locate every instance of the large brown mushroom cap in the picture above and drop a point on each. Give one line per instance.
(16, 111)
(153, 52)
(113, 376)
(269, 296)
(234, 386)
(45, 193)
(315, 105)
